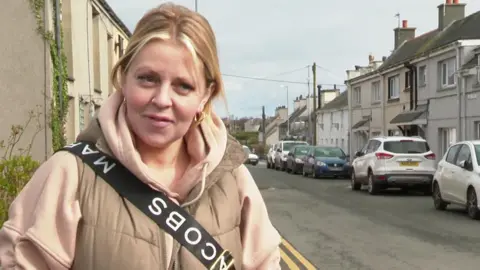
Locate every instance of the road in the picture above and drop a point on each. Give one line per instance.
(336, 228)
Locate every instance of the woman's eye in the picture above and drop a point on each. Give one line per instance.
(186, 87)
(148, 79)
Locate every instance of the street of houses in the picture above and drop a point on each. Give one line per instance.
(429, 86)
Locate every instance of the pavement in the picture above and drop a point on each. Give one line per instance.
(326, 225)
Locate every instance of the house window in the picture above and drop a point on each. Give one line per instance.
(477, 130)
(394, 132)
(407, 80)
(376, 134)
(336, 142)
(447, 69)
(393, 87)
(357, 96)
(343, 145)
(448, 136)
(81, 115)
(376, 92)
(422, 76)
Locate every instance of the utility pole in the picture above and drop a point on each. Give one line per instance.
(196, 5)
(309, 108)
(314, 71)
(264, 128)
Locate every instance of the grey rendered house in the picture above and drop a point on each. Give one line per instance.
(433, 80)
(470, 74)
(421, 84)
(365, 106)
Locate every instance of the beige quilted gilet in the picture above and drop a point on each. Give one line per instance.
(114, 235)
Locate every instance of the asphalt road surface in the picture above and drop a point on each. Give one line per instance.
(328, 226)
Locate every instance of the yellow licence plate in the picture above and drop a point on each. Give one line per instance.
(409, 163)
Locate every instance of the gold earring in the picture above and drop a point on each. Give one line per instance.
(198, 118)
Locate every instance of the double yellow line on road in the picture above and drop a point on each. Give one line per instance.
(292, 258)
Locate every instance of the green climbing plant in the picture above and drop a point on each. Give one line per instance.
(58, 114)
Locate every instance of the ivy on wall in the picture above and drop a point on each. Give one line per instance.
(58, 113)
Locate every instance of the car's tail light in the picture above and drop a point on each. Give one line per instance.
(430, 156)
(381, 155)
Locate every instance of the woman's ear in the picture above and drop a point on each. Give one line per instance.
(206, 97)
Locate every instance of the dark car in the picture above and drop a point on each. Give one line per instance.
(326, 161)
(295, 158)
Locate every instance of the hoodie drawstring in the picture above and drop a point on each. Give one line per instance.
(202, 187)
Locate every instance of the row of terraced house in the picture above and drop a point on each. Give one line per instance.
(429, 86)
(94, 38)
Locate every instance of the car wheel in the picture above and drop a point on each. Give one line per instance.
(438, 202)
(472, 204)
(372, 187)
(355, 185)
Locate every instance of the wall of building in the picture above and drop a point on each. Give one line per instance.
(90, 37)
(25, 77)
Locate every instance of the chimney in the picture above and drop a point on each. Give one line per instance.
(371, 58)
(403, 34)
(450, 12)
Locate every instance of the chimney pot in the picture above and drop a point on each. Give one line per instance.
(455, 1)
(404, 24)
(448, 2)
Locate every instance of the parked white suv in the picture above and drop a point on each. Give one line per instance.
(396, 161)
(457, 179)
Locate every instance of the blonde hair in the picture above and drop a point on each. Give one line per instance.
(174, 22)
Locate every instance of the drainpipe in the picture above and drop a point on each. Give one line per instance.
(464, 80)
(45, 82)
(382, 104)
(59, 53)
(350, 119)
(459, 50)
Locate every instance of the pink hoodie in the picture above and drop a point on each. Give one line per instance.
(41, 230)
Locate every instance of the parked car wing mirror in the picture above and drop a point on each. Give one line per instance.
(359, 154)
(465, 164)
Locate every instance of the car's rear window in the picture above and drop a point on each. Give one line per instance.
(301, 150)
(406, 147)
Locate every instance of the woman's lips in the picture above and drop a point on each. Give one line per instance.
(159, 121)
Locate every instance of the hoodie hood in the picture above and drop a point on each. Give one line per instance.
(206, 145)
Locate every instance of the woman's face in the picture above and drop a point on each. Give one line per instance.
(163, 90)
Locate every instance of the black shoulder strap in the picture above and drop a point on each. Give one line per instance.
(170, 217)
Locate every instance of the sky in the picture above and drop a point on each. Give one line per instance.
(277, 40)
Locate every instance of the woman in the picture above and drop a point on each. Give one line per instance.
(160, 126)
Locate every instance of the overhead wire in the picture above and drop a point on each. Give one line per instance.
(273, 80)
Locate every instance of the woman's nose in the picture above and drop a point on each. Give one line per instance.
(162, 97)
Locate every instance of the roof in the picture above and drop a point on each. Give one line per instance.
(115, 18)
(466, 28)
(337, 103)
(361, 123)
(472, 63)
(410, 116)
(407, 50)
